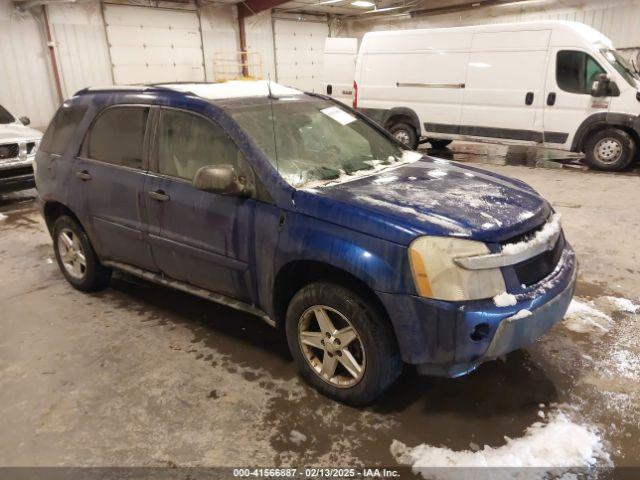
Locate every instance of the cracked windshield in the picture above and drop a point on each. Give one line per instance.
(315, 142)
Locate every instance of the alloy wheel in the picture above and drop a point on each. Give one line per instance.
(331, 346)
(71, 253)
(402, 136)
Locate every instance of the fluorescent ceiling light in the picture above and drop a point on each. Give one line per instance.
(386, 9)
(522, 2)
(327, 2)
(362, 3)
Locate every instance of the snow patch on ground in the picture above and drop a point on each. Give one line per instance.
(552, 447)
(623, 304)
(551, 228)
(297, 437)
(583, 317)
(2, 217)
(505, 299)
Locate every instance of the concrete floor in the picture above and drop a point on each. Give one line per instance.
(142, 375)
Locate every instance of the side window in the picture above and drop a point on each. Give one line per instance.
(117, 136)
(576, 71)
(61, 128)
(187, 142)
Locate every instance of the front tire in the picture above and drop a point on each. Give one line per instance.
(341, 344)
(76, 258)
(405, 133)
(611, 150)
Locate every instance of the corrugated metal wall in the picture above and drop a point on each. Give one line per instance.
(616, 19)
(26, 83)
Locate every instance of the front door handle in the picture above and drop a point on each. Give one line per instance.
(551, 99)
(83, 175)
(159, 195)
(528, 99)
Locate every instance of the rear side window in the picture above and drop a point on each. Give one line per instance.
(61, 128)
(117, 136)
(187, 142)
(576, 71)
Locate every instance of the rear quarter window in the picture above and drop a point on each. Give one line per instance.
(62, 128)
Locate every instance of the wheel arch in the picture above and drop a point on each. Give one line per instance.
(52, 210)
(600, 121)
(296, 274)
(405, 114)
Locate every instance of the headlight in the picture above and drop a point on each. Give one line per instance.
(436, 274)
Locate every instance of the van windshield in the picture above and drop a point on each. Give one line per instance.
(5, 116)
(623, 66)
(314, 142)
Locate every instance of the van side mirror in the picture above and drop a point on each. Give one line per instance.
(25, 120)
(603, 86)
(224, 180)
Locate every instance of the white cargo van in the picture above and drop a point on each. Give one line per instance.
(553, 83)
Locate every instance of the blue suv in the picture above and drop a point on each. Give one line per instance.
(300, 210)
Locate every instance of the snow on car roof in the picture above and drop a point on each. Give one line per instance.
(233, 89)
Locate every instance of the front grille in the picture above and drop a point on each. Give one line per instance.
(533, 270)
(9, 150)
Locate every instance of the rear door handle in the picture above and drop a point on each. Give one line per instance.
(551, 99)
(83, 175)
(329, 89)
(528, 99)
(159, 195)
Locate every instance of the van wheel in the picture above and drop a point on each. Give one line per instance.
(76, 258)
(611, 149)
(405, 133)
(341, 344)
(439, 143)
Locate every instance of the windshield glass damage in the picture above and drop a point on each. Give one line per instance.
(314, 142)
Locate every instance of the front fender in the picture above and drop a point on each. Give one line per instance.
(381, 264)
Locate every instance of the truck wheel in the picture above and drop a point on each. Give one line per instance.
(341, 344)
(439, 143)
(405, 133)
(76, 258)
(611, 149)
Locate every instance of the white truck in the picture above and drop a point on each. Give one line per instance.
(556, 84)
(18, 145)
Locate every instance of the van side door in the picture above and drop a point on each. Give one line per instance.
(201, 238)
(504, 88)
(568, 100)
(339, 68)
(110, 172)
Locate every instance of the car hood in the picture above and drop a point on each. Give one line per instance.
(429, 197)
(16, 132)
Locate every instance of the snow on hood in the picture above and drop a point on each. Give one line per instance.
(435, 196)
(15, 132)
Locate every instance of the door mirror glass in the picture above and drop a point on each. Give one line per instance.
(224, 180)
(25, 120)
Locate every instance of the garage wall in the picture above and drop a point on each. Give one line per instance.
(81, 42)
(299, 51)
(220, 39)
(26, 83)
(259, 35)
(618, 19)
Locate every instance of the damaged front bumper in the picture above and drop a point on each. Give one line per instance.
(450, 339)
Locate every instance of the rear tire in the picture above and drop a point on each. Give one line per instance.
(76, 257)
(439, 144)
(354, 332)
(405, 133)
(611, 150)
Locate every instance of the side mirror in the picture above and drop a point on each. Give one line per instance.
(223, 179)
(603, 86)
(25, 120)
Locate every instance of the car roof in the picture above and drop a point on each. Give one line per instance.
(235, 89)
